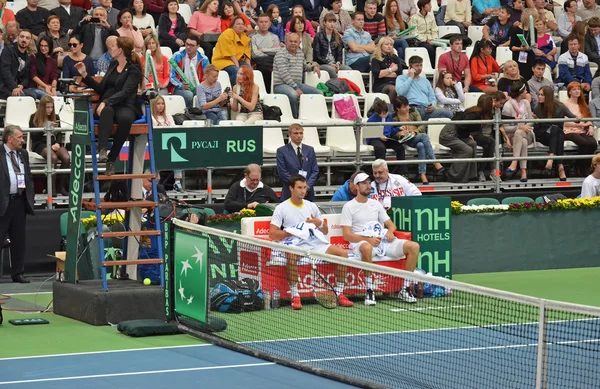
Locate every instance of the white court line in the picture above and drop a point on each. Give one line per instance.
(106, 352)
(134, 373)
(454, 350)
(428, 308)
(24, 294)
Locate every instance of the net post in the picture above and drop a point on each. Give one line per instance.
(541, 379)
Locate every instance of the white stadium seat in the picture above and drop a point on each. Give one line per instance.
(281, 101)
(174, 104)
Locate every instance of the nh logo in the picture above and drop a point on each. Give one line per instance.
(182, 137)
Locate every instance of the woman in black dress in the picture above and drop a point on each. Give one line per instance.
(386, 66)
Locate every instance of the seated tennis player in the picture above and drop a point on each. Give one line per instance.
(294, 212)
(370, 231)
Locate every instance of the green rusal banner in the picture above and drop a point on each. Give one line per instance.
(191, 275)
(168, 253)
(79, 140)
(195, 148)
(428, 218)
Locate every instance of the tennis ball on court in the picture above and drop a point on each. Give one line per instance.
(147, 281)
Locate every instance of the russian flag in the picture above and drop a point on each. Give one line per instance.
(124, 154)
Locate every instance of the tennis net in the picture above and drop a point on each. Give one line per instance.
(464, 337)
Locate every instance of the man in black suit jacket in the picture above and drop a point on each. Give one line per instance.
(297, 158)
(69, 15)
(16, 197)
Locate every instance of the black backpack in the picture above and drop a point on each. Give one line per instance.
(271, 112)
(119, 191)
(236, 296)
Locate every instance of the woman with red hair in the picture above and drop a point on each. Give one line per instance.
(244, 97)
(580, 133)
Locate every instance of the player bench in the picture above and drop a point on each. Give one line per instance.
(271, 273)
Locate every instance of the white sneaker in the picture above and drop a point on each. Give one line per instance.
(177, 187)
(406, 296)
(370, 297)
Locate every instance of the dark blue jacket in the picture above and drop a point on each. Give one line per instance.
(287, 165)
(388, 131)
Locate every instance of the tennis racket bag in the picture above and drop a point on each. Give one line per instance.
(236, 296)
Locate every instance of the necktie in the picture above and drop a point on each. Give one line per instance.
(299, 154)
(16, 167)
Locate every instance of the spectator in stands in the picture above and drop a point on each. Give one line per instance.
(43, 71)
(456, 136)
(248, 8)
(211, 97)
(516, 12)
(33, 18)
(306, 43)
(573, 66)
(595, 90)
(591, 185)
(511, 75)
(566, 20)
(192, 63)
(264, 45)
(14, 67)
(112, 14)
(69, 16)
(343, 21)
(289, 66)
(295, 213)
(522, 133)
(75, 56)
(538, 81)
(427, 29)
(297, 158)
(244, 97)
(486, 9)
(155, 8)
(385, 66)
(546, 48)
(547, 16)
(12, 32)
(1, 40)
(390, 137)
(7, 14)
(580, 133)
(206, 20)
(46, 113)
(579, 31)
(523, 55)
(589, 10)
(347, 191)
(172, 30)
(420, 139)
(498, 30)
(104, 61)
(233, 49)
(359, 43)
(484, 68)
(458, 13)
(276, 25)
(591, 47)
(328, 48)
(486, 106)
(143, 21)
(407, 10)
(363, 222)
(418, 91)
(457, 64)
(394, 24)
(126, 28)
(249, 191)
(161, 118)
(374, 22)
(311, 11)
(161, 65)
(228, 12)
(297, 10)
(549, 134)
(93, 35)
(118, 91)
(387, 185)
(59, 39)
(449, 93)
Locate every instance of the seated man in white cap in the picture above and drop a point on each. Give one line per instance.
(370, 231)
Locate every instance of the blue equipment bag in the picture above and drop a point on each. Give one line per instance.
(237, 296)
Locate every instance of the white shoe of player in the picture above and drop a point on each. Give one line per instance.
(406, 296)
(370, 297)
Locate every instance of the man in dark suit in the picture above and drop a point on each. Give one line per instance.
(147, 187)
(16, 197)
(297, 158)
(69, 15)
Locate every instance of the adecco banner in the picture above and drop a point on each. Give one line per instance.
(79, 140)
(195, 148)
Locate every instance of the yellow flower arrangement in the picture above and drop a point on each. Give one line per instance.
(107, 220)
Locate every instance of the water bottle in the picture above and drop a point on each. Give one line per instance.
(275, 300)
(267, 300)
